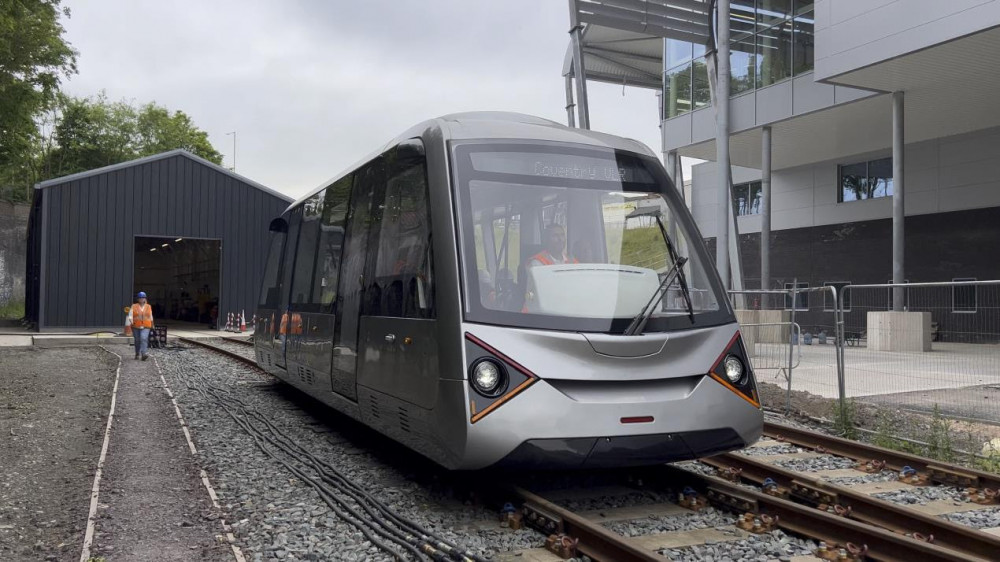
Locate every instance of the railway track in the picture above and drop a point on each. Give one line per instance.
(847, 524)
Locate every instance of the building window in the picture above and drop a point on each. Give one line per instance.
(677, 91)
(774, 54)
(828, 298)
(964, 298)
(865, 180)
(803, 38)
(746, 198)
(742, 64)
(801, 299)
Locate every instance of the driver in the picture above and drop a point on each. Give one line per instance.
(554, 252)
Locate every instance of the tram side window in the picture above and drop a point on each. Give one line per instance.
(269, 289)
(403, 270)
(305, 254)
(331, 244)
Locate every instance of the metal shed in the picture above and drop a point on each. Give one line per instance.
(85, 232)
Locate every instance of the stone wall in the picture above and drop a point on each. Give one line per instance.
(13, 251)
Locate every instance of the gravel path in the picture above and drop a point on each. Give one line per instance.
(275, 513)
(53, 408)
(154, 506)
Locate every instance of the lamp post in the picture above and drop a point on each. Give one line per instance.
(234, 149)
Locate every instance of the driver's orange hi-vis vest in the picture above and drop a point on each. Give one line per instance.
(142, 316)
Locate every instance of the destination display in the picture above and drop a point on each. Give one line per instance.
(567, 166)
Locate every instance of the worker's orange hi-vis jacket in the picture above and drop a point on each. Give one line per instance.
(141, 316)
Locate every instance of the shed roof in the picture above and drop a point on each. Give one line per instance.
(154, 158)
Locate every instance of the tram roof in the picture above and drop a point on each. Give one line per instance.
(501, 125)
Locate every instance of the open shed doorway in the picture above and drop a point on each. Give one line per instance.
(180, 277)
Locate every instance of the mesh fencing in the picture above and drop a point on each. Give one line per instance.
(917, 363)
(791, 338)
(940, 353)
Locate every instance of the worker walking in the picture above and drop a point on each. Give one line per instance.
(140, 317)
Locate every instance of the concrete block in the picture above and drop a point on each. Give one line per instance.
(899, 331)
(754, 333)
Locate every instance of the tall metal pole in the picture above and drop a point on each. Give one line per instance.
(570, 106)
(234, 148)
(765, 208)
(722, 145)
(898, 211)
(579, 72)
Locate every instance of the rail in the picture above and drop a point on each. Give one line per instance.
(809, 521)
(896, 460)
(860, 506)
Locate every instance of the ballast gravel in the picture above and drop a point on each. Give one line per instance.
(815, 464)
(704, 519)
(275, 515)
(636, 498)
(771, 546)
(782, 449)
(922, 495)
(979, 518)
(862, 478)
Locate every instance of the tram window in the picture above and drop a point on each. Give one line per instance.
(269, 291)
(305, 254)
(403, 270)
(331, 244)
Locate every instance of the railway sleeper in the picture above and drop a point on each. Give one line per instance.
(813, 494)
(952, 476)
(541, 520)
(733, 500)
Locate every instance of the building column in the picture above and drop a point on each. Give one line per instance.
(765, 208)
(570, 106)
(898, 212)
(722, 145)
(579, 72)
(670, 163)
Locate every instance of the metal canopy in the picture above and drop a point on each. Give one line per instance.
(623, 39)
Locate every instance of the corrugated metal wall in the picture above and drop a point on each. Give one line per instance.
(91, 224)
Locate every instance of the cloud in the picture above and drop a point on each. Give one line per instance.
(311, 87)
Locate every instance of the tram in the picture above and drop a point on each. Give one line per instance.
(498, 290)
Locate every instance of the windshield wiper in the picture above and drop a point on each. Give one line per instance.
(682, 281)
(639, 322)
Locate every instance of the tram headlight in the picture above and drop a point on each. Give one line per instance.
(734, 368)
(488, 378)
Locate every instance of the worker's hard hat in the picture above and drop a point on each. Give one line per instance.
(142, 295)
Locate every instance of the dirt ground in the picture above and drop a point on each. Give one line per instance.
(53, 408)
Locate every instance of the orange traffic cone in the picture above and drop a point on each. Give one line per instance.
(243, 321)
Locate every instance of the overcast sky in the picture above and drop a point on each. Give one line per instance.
(311, 86)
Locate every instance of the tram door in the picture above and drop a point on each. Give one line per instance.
(281, 319)
(362, 220)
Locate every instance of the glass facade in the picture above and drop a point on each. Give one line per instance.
(865, 180)
(770, 41)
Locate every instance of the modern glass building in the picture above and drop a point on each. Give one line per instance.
(858, 103)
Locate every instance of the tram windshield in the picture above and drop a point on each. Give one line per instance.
(576, 238)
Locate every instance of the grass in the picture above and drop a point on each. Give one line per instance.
(845, 424)
(13, 310)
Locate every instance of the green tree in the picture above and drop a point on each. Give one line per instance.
(93, 132)
(33, 58)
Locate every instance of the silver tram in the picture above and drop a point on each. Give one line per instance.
(495, 289)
